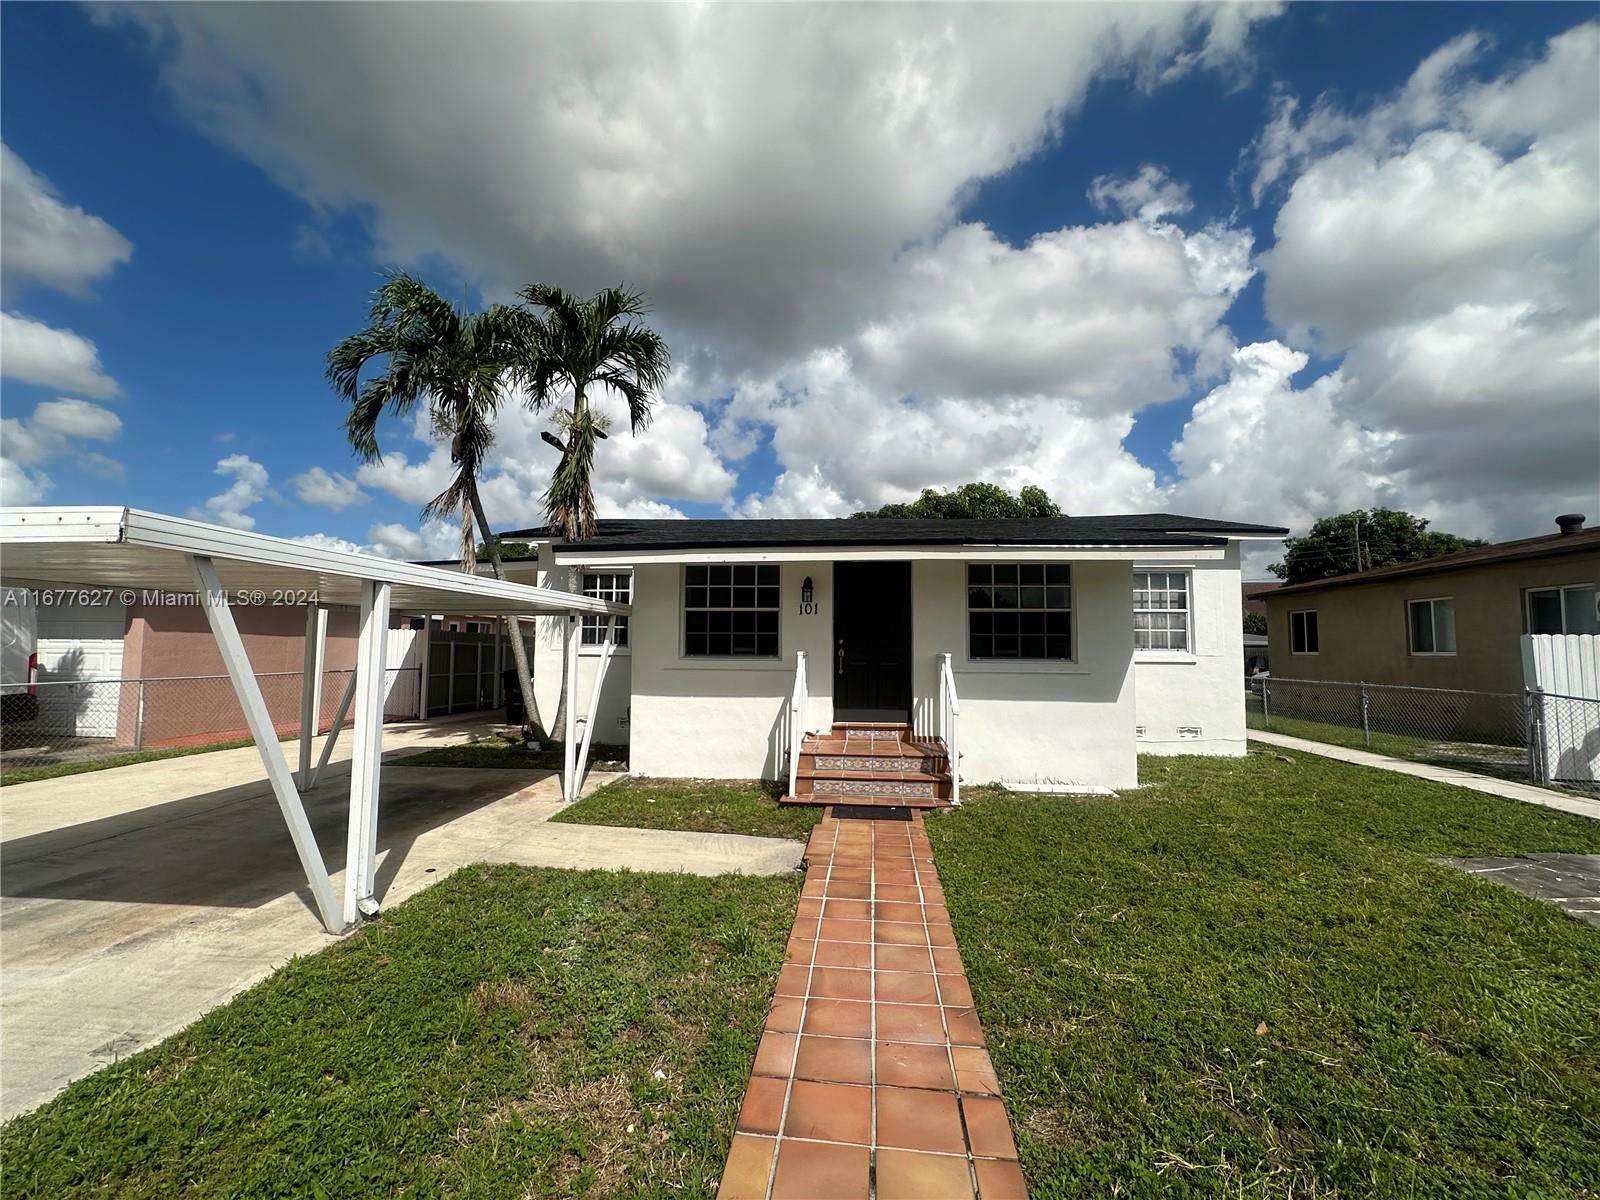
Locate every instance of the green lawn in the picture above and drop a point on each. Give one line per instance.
(509, 1032)
(509, 754)
(1249, 980)
(57, 770)
(710, 806)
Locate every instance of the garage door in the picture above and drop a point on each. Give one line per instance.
(79, 644)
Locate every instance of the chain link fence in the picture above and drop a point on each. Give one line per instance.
(72, 720)
(1528, 735)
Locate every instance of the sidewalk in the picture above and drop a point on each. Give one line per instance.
(871, 1078)
(1527, 793)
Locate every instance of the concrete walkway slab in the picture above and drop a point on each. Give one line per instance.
(872, 1077)
(118, 928)
(1571, 882)
(1510, 789)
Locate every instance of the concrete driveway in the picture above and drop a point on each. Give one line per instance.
(134, 900)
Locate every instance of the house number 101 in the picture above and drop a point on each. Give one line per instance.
(808, 603)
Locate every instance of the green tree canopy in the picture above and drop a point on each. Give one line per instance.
(1254, 622)
(984, 501)
(509, 551)
(1386, 537)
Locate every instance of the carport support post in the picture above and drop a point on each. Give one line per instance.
(362, 848)
(569, 748)
(214, 600)
(311, 687)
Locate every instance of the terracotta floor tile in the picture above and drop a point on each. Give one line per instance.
(775, 1054)
(834, 1060)
(896, 910)
(852, 910)
(762, 1110)
(916, 1120)
(792, 980)
(898, 933)
(814, 1170)
(829, 1112)
(844, 931)
(941, 934)
(954, 991)
(903, 958)
(965, 1030)
(844, 954)
(974, 1071)
(999, 1180)
(909, 1023)
(744, 1177)
(850, 875)
(837, 889)
(911, 1175)
(813, 887)
(904, 987)
(900, 893)
(988, 1127)
(840, 1018)
(914, 1064)
(841, 983)
(895, 875)
(784, 1015)
(947, 959)
(799, 950)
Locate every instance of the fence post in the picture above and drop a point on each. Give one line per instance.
(1366, 724)
(138, 720)
(1530, 726)
(1266, 705)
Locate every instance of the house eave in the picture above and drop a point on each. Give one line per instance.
(1209, 550)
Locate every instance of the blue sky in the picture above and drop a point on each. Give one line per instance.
(247, 265)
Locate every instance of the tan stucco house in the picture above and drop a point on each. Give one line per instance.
(1449, 622)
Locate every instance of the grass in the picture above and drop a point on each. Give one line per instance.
(509, 754)
(710, 806)
(1249, 979)
(509, 1032)
(57, 770)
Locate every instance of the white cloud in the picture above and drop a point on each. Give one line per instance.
(55, 431)
(754, 168)
(33, 352)
(330, 490)
(1149, 196)
(1446, 244)
(325, 541)
(44, 240)
(249, 488)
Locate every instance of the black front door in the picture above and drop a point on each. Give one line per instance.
(872, 641)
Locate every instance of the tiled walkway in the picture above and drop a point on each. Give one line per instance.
(872, 1079)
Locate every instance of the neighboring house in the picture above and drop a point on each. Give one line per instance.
(1447, 622)
(1074, 642)
(1256, 656)
(1254, 592)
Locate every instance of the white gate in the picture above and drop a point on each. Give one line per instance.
(1563, 672)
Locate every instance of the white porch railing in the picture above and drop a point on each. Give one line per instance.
(799, 703)
(949, 730)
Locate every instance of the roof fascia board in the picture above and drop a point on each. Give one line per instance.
(1164, 554)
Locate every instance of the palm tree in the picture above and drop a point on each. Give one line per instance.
(577, 345)
(458, 363)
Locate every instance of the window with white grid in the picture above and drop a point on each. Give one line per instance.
(616, 586)
(1161, 610)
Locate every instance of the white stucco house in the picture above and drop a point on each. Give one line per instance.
(1065, 646)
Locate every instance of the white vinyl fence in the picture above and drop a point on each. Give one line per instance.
(1562, 673)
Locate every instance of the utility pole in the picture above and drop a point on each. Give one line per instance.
(1358, 541)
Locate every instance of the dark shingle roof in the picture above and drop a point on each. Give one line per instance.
(1544, 546)
(1143, 529)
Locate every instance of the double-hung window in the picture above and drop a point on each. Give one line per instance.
(1161, 610)
(1573, 609)
(1431, 626)
(1303, 632)
(616, 586)
(1019, 610)
(730, 610)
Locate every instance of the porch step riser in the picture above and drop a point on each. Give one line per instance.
(825, 764)
(931, 789)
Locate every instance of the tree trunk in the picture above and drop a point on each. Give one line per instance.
(519, 653)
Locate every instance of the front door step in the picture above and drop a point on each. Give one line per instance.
(873, 766)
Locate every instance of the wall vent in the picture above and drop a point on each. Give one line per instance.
(1188, 731)
(1138, 731)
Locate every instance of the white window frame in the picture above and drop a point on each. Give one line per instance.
(1187, 649)
(684, 608)
(1302, 612)
(589, 639)
(1561, 590)
(1433, 623)
(1010, 659)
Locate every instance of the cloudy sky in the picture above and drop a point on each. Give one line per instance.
(1248, 262)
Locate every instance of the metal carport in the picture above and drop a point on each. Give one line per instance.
(218, 568)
